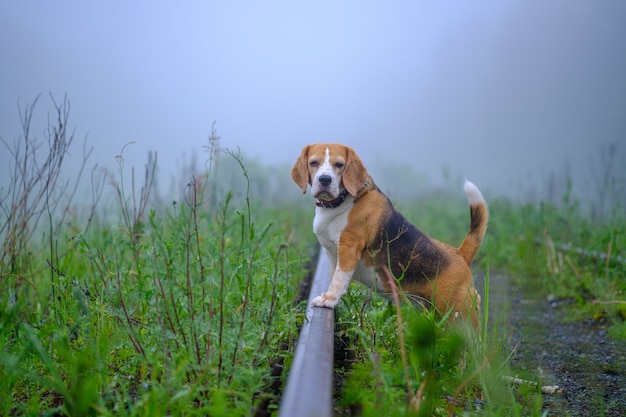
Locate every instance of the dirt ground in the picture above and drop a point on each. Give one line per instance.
(588, 366)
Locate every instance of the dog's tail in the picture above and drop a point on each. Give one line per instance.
(479, 215)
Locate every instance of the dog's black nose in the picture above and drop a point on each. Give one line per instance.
(325, 180)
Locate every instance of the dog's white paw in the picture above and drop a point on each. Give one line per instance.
(324, 301)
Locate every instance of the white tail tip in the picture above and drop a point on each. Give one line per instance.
(474, 195)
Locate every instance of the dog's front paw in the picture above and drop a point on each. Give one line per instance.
(324, 301)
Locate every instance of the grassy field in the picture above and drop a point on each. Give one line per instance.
(180, 311)
(132, 306)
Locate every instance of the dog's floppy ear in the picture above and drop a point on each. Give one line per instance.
(300, 170)
(355, 174)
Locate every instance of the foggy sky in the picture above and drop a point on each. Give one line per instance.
(498, 92)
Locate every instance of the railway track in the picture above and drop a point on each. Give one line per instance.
(309, 388)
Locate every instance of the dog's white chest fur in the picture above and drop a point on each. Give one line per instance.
(329, 223)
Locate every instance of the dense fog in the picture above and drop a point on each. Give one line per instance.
(516, 95)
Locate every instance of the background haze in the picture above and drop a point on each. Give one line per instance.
(500, 92)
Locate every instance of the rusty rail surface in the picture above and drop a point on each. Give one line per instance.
(310, 382)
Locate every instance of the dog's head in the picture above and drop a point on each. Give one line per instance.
(329, 169)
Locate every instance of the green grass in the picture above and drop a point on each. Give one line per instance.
(183, 311)
(180, 312)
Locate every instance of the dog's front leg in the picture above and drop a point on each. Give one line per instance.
(345, 266)
(338, 287)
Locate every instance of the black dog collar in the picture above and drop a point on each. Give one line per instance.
(333, 203)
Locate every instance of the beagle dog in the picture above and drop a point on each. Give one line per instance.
(367, 238)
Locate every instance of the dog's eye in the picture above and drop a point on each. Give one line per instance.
(313, 163)
(339, 164)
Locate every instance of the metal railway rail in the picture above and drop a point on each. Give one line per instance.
(310, 382)
(567, 248)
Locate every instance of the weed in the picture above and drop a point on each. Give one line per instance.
(175, 311)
